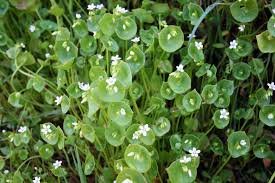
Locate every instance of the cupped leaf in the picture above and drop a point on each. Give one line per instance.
(266, 42)
(166, 92)
(126, 28)
(135, 58)
(120, 113)
(46, 151)
(107, 24)
(189, 141)
(122, 72)
(191, 101)
(171, 38)
(136, 91)
(179, 82)
(216, 145)
(15, 99)
(114, 134)
(267, 115)
(219, 121)
(4, 6)
(194, 52)
(49, 133)
(257, 66)
(225, 87)
(130, 175)
(194, 12)
(87, 45)
(89, 164)
(223, 101)
(244, 10)
(80, 29)
(88, 132)
(138, 158)
(109, 43)
(65, 51)
(271, 25)
(69, 125)
(209, 93)
(244, 48)
(241, 71)
(161, 126)
(238, 144)
(181, 173)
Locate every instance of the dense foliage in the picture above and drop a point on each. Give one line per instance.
(137, 91)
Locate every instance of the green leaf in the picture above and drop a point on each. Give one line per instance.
(114, 134)
(130, 175)
(267, 115)
(138, 158)
(69, 124)
(73, 90)
(17, 177)
(257, 66)
(189, 141)
(88, 132)
(88, 45)
(38, 83)
(161, 126)
(65, 51)
(195, 12)
(216, 145)
(107, 24)
(244, 48)
(266, 42)
(223, 101)
(65, 104)
(241, 71)
(109, 43)
(194, 52)
(135, 58)
(171, 38)
(49, 133)
(219, 122)
(166, 92)
(143, 15)
(120, 113)
(225, 87)
(46, 151)
(24, 58)
(126, 28)
(122, 72)
(89, 164)
(4, 6)
(244, 10)
(14, 99)
(209, 93)
(80, 29)
(238, 144)
(191, 101)
(179, 82)
(270, 26)
(2, 163)
(181, 172)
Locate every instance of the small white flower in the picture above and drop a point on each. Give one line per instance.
(241, 28)
(115, 59)
(57, 164)
(185, 159)
(273, 10)
(143, 129)
(243, 142)
(120, 10)
(84, 86)
(270, 116)
(22, 45)
(189, 173)
(194, 152)
(6, 171)
(122, 112)
(199, 45)
(22, 129)
(32, 28)
(190, 36)
(78, 16)
(36, 180)
(136, 135)
(99, 56)
(111, 81)
(180, 68)
(135, 40)
(47, 55)
(58, 100)
(271, 86)
(233, 44)
(127, 181)
(51, 46)
(46, 129)
(224, 114)
(4, 131)
(75, 124)
(91, 7)
(163, 23)
(99, 6)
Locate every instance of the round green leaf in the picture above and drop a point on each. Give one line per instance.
(135, 58)
(244, 10)
(126, 28)
(114, 134)
(166, 92)
(209, 93)
(241, 71)
(225, 87)
(69, 124)
(179, 82)
(49, 133)
(109, 43)
(87, 45)
(161, 126)
(244, 48)
(120, 113)
(137, 157)
(65, 51)
(238, 144)
(194, 12)
(80, 29)
(219, 122)
(257, 66)
(4, 6)
(267, 115)
(15, 99)
(194, 52)
(88, 132)
(171, 38)
(122, 72)
(181, 173)
(130, 175)
(271, 26)
(89, 164)
(107, 24)
(191, 101)
(216, 145)
(223, 101)
(266, 42)
(46, 151)
(189, 141)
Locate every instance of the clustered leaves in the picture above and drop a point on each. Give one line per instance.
(156, 92)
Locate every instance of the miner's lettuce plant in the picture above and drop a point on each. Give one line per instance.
(137, 91)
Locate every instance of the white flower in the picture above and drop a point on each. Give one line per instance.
(180, 68)
(57, 164)
(243, 142)
(241, 28)
(111, 81)
(270, 116)
(91, 7)
(233, 44)
(143, 129)
(46, 129)
(194, 152)
(199, 45)
(99, 56)
(51, 46)
(22, 129)
(4, 131)
(22, 45)
(36, 180)
(47, 55)
(273, 10)
(127, 181)
(78, 16)
(120, 10)
(190, 36)
(163, 23)
(115, 59)
(271, 86)
(6, 171)
(58, 100)
(185, 159)
(224, 114)
(32, 28)
(136, 135)
(84, 86)
(189, 173)
(135, 40)
(99, 6)
(122, 112)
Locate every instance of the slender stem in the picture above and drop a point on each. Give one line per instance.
(221, 167)
(272, 178)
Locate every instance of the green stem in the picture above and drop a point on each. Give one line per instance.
(79, 168)
(272, 178)
(221, 167)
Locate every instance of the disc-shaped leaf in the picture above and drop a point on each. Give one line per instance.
(80, 29)
(244, 10)
(137, 157)
(109, 43)
(46, 151)
(223, 101)
(166, 92)
(97, 73)
(194, 52)
(179, 82)
(271, 26)
(181, 173)
(209, 93)
(126, 28)
(267, 115)
(120, 113)
(241, 71)
(225, 87)
(38, 83)
(219, 122)
(162, 126)
(88, 132)
(216, 145)
(49, 133)
(238, 144)
(65, 104)
(65, 51)
(4, 6)
(135, 58)
(176, 142)
(266, 42)
(189, 141)
(114, 134)
(107, 24)
(136, 91)
(130, 175)
(87, 45)
(191, 101)
(194, 12)
(171, 38)
(89, 164)
(122, 72)
(257, 66)
(69, 124)
(15, 99)
(244, 48)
